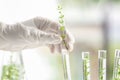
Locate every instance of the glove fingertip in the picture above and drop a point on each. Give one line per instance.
(70, 47)
(52, 48)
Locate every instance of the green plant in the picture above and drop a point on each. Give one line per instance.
(101, 69)
(13, 70)
(116, 74)
(102, 64)
(62, 24)
(65, 53)
(86, 67)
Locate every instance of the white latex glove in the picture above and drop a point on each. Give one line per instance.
(32, 33)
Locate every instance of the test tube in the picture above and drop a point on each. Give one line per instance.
(86, 65)
(13, 67)
(102, 64)
(116, 69)
(66, 64)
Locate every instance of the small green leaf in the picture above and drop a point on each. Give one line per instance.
(61, 21)
(63, 36)
(60, 12)
(62, 28)
(61, 16)
(87, 73)
(59, 7)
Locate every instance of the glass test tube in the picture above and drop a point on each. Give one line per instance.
(86, 65)
(116, 69)
(102, 64)
(12, 67)
(66, 64)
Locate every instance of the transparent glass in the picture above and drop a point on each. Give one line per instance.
(12, 66)
(102, 64)
(86, 65)
(116, 69)
(66, 64)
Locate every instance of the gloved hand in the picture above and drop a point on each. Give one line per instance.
(32, 33)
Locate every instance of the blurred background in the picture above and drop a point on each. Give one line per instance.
(94, 24)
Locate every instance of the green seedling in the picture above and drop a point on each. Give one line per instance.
(117, 70)
(102, 64)
(65, 56)
(11, 72)
(101, 69)
(86, 67)
(62, 24)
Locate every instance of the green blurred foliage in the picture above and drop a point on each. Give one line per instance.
(87, 1)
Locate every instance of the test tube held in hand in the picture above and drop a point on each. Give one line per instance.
(65, 53)
(66, 64)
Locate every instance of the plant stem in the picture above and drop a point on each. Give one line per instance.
(65, 53)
